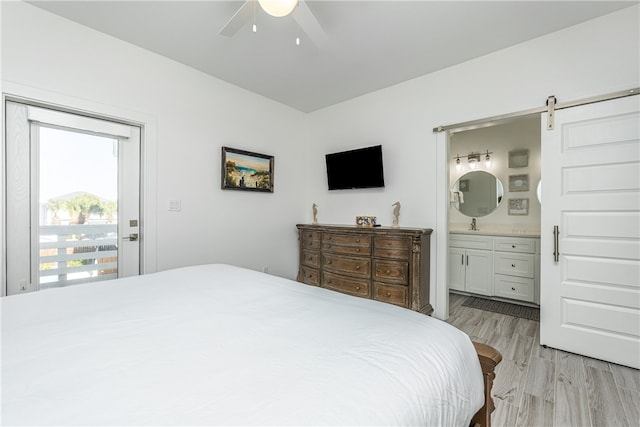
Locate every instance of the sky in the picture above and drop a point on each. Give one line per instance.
(73, 161)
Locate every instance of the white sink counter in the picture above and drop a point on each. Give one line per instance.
(496, 230)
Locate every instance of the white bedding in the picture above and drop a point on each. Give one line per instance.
(221, 345)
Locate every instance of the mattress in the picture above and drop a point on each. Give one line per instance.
(221, 345)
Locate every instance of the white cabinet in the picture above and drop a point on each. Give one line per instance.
(515, 268)
(471, 270)
(500, 266)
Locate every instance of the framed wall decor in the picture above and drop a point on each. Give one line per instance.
(519, 182)
(464, 185)
(247, 171)
(518, 206)
(518, 158)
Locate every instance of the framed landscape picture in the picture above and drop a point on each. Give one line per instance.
(246, 171)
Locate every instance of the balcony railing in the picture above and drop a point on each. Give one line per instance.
(72, 254)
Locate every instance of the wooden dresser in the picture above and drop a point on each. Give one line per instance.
(381, 263)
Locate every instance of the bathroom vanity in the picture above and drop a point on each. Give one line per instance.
(495, 265)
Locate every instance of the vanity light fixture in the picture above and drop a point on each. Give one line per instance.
(458, 164)
(474, 159)
(487, 160)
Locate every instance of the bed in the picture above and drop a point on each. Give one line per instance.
(221, 345)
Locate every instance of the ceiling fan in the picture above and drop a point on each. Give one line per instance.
(298, 9)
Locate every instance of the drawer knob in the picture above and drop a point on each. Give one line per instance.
(357, 240)
(388, 272)
(357, 288)
(329, 238)
(310, 275)
(357, 267)
(389, 242)
(358, 250)
(513, 289)
(388, 294)
(513, 265)
(310, 258)
(329, 262)
(513, 246)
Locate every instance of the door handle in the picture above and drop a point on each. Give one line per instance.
(556, 252)
(132, 237)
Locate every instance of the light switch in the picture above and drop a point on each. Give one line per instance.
(175, 205)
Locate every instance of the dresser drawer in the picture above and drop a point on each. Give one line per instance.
(387, 247)
(515, 244)
(311, 258)
(346, 249)
(518, 288)
(311, 244)
(310, 276)
(394, 294)
(360, 267)
(391, 271)
(347, 285)
(514, 264)
(309, 235)
(468, 241)
(346, 239)
(390, 243)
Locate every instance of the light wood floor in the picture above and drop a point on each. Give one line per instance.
(537, 386)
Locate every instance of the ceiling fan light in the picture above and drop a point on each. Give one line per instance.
(278, 8)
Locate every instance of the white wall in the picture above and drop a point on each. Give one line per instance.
(195, 114)
(589, 59)
(189, 116)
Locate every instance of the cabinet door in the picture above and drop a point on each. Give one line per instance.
(456, 268)
(479, 278)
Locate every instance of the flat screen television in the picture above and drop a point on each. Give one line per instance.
(361, 168)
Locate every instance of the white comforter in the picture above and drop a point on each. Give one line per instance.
(221, 345)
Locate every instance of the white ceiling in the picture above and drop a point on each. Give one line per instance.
(371, 44)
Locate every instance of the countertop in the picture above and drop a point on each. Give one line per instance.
(496, 230)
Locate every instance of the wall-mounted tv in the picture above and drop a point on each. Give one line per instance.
(361, 168)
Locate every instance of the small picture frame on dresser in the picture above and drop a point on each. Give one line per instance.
(518, 206)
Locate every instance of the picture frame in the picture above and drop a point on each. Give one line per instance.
(518, 206)
(246, 171)
(518, 158)
(519, 182)
(463, 185)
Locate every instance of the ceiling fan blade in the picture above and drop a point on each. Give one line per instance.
(309, 24)
(239, 19)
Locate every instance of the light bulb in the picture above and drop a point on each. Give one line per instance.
(458, 164)
(255, 29)
(278, 8)
(487, 161)
(298, 41)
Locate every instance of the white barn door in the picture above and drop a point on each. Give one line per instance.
(590, 290)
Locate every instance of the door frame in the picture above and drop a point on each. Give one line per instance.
(148, 162)
(440, 245)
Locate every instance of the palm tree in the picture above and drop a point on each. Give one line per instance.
(82, 206)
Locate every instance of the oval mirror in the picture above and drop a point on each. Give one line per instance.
(477, 193)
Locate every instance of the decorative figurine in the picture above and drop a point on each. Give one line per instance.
(315, 214)
(396, 214)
